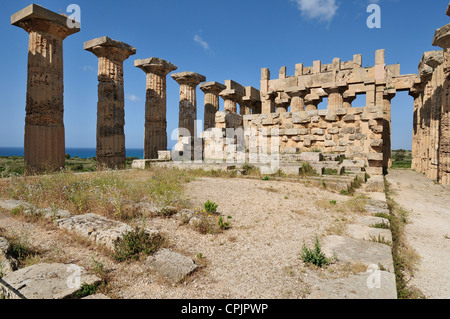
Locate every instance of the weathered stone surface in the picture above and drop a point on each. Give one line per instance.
(111, 99)
(172, 265)
(373, 284)
(366, 252)
(155, 134)
(44, 144)
(97, 228)
(369, 233)
(46, 281)
(7, 264)
(11, 204)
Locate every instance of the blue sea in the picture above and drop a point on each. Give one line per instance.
(73, 152)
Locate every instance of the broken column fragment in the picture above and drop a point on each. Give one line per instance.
(155, 135)
(111, 99)
(44, 143)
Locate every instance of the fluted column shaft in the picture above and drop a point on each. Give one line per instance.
(188, 82)
(111, 100)
(155, 128)
(212, 101)
(44, 143)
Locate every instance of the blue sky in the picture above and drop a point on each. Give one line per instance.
(221, 40)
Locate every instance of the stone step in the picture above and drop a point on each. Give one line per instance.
(357, 250)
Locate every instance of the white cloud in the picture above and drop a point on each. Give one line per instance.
(132, 98)
(89, 68)
(318, 9)
(200, 41)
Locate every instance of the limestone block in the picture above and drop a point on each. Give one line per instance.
(329, 143)
(46, 281)
(356, 287)
(304, 131)
(349, 118)
(377, 129)
(375, 156)
(376, 142)
(333, 130)
(317, 131)
(352, 250)
(311, 156)
(164, 155)
(348, 130)
(97, 228)
(340, 111)
(172, 265)
(360, 137)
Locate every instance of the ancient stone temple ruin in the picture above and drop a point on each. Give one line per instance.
(279, 122)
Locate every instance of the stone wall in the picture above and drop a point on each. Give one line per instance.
(354, 132)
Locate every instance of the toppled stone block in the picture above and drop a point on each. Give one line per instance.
(97, 228)
(172, 265)
(11, 204)
(46, 281)
(164, 155)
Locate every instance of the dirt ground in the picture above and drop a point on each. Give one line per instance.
(259, 257)
(428, 228)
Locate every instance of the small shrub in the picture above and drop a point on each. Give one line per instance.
(211, 207)
(315, 256)
(333, 202)
(266, 178)
(223, 225)
(135, 243)
(307, 170)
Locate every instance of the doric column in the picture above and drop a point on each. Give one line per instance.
(230, 98)
(417, 93)
(335, 93)
(297, 95)
(312, 102)
(387, 151)
(268, 102)
(44, 143)
(282, 102)
(111, 100)
(212, 91)
(442, 39)
(188, 82)
(155, 134)
(348, 98)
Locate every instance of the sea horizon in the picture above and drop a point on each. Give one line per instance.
(80, 152)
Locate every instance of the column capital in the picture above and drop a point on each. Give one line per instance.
(389, 94)
(109, 48)
(232, 95)
(39, 19)
(155, 66)
(188, 78)
(442, 37)
(336, 87)
(212, 87)
(300, 91)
